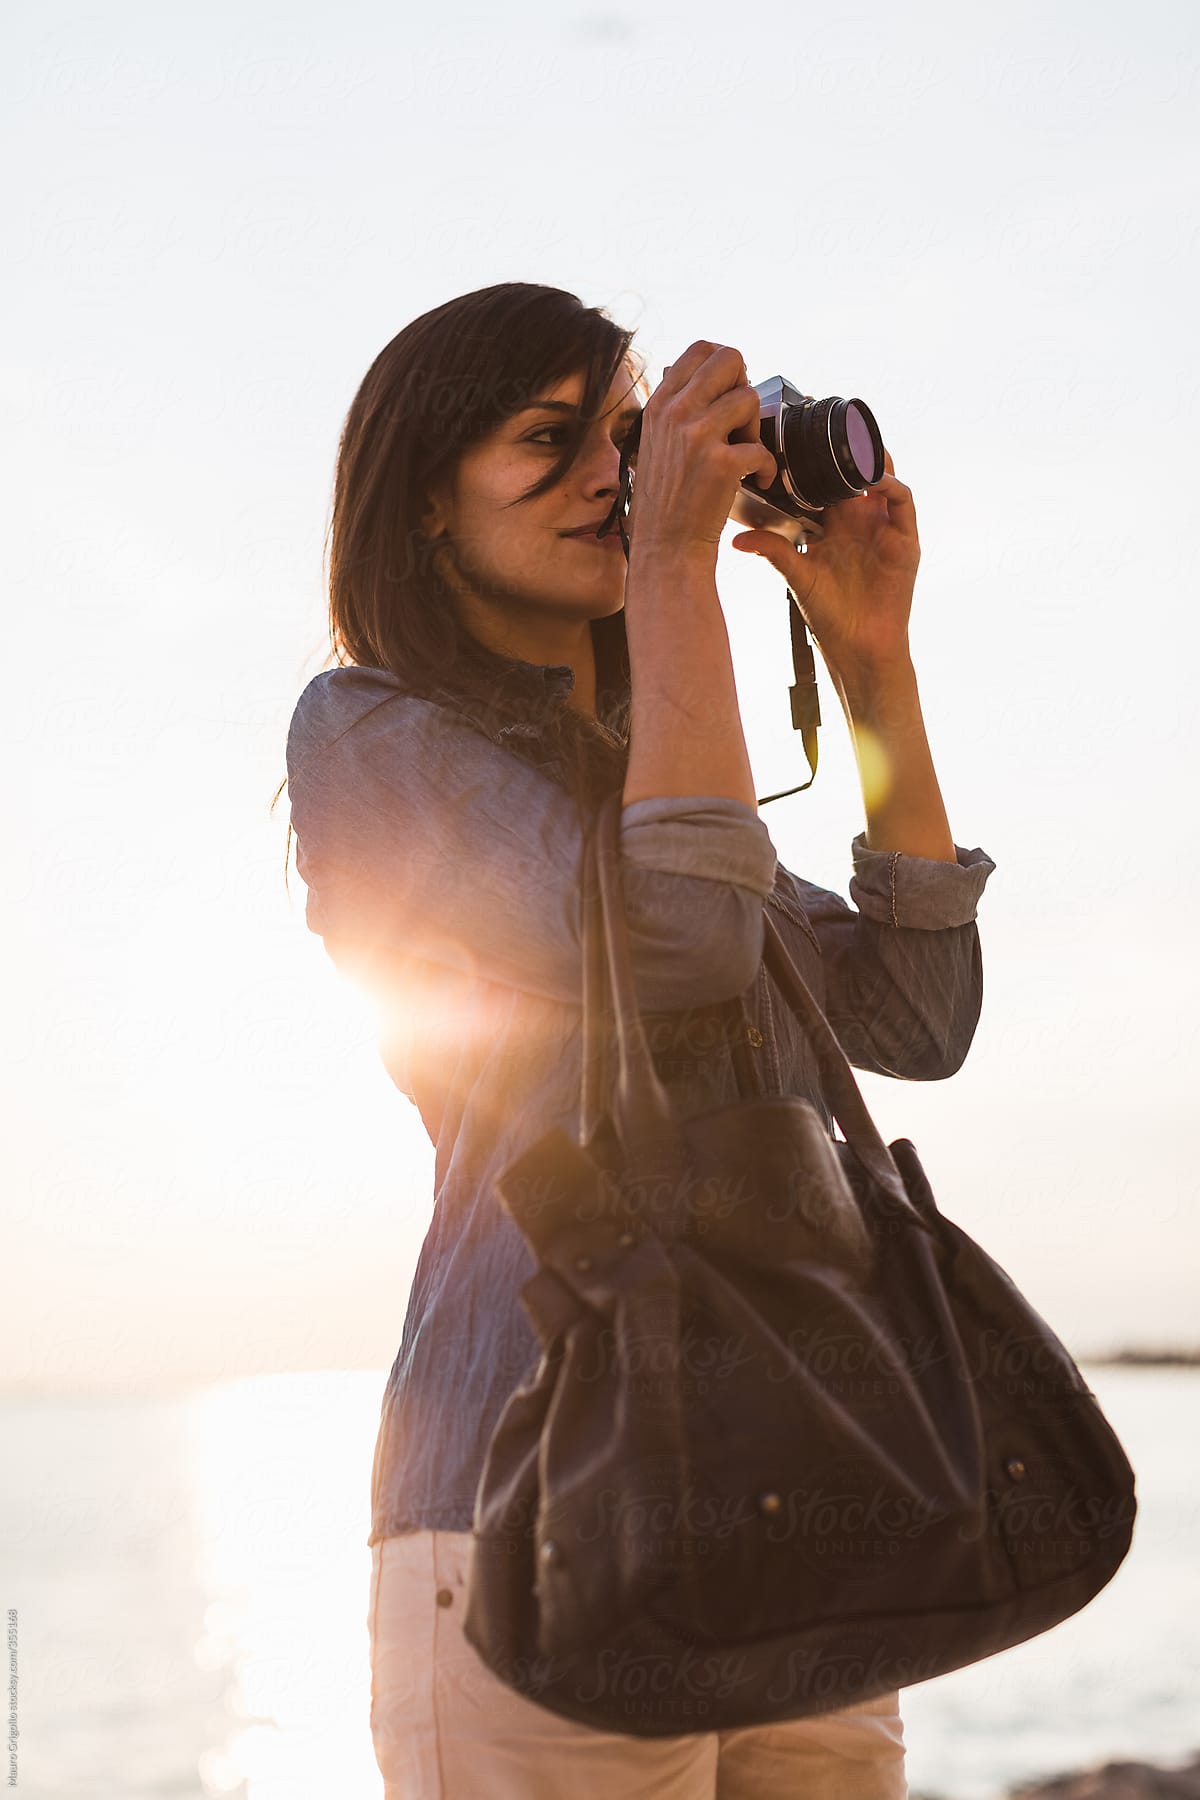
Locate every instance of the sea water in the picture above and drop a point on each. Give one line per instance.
(189, 1581)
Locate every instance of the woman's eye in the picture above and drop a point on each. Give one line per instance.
(541, 431)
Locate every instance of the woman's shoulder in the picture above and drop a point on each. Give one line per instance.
(339, 696)
(374, 704)
(363, 744)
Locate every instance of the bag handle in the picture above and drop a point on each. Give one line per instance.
(642, 1113)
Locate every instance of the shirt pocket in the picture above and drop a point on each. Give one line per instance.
(785, 899)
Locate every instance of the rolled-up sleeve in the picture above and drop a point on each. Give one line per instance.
(695, 871)
(917, 891)
(903, 966)
(418, 834)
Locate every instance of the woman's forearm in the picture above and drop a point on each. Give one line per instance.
(901, 796)
(686, 732)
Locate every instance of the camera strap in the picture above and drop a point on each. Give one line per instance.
(806, 702)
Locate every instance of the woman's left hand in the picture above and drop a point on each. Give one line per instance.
(854, 583)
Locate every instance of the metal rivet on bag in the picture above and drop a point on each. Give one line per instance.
(626, 1240)
(445, 1597)
(769, 1503)
(1015, 1468)
(550, 1553)
(754, 1035)
(583, 1263)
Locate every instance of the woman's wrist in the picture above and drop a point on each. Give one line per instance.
(661, 558)
(901, 797)
(686, 733)
(872, 688)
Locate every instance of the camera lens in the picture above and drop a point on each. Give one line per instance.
(833, 448)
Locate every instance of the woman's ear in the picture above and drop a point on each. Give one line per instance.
(433, 524)
(435, 514)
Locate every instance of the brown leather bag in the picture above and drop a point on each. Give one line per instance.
(794, 1440)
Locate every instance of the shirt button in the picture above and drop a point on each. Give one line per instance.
(754, 1035)
(444, 1597)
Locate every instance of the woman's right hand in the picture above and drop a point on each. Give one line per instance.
(699, 437)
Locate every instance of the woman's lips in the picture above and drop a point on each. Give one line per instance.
(611, 542)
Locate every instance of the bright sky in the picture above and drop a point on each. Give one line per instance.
(985, 225)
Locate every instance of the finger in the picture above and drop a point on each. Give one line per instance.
(722, 370)
(888, 465)
(740, 413)
(886, 498)
(749, 457)
(893, 491)
(706, 368)
(770, 545)
(676, 375)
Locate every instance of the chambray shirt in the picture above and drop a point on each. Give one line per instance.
(443, 874)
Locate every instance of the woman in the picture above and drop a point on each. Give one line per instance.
(499, 670)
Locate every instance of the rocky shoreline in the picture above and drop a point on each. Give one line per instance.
(1106, 1781)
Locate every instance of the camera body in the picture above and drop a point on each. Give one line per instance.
(826, 450)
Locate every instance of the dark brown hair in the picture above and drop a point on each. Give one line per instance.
(445, 381)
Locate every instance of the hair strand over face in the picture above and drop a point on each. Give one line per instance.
(448, 379)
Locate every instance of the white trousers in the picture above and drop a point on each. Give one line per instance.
(445, 1728)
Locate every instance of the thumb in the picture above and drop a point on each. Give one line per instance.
(771, 546)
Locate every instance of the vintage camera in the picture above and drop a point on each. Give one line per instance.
(826, 450)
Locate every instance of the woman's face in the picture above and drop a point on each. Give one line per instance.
(520, 557)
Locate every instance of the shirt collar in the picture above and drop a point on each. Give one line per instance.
(554, 681)
(554, 676)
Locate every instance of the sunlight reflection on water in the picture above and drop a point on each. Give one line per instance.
(281, 1468)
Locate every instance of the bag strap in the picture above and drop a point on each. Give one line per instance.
(641, 1107)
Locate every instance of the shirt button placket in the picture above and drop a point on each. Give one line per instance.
(745, 1040)
(774, 1081)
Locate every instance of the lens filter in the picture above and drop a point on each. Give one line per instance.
(857, 443)
(864, 446)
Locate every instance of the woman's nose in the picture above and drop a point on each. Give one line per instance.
(604, 471)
